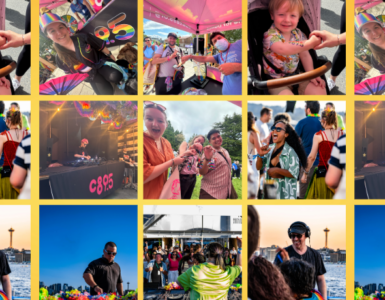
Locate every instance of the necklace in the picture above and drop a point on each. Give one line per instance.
(313, 115)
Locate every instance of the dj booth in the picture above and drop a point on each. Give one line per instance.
(95, 181)
(369, 183)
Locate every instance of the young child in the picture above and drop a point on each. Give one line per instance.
(284, 45)
(188, 170)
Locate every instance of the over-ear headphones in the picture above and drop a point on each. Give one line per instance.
(300, 224)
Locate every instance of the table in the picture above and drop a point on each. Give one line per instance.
(212, 88)
(85, 182)
(369, 183)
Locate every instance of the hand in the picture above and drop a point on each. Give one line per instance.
(284, 255)
(178, 160)
(227, 68)
(150, 269)
(161, 269)
(329, 39)
(88, 157)
(318, 82)
(264, 150)
(274, 173)
(304, 178)
(314, 41)
(239, 242)
(4, 82)
(13, 39)
(98, 290)
(209, 152)
(146, 242)
(187, 153)
(185, 58)
(174, 54)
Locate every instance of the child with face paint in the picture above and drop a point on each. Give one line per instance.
(229, 59)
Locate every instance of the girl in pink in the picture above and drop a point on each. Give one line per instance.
(173, 261)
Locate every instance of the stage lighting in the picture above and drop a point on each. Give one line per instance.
(58, 109)
(374, 109)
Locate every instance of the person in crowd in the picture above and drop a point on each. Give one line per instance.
(323, 143)
(148, 50)
(186, 262)
(336, 176)
(340, 119)
(306, 129)
(229, 59)
(9, 142)
(103, 275)
(261, 124)
(284, 46)
(370, 28)
(83, 53)
(15, 106)
(82, 7)
(253, 148)
(146, 260)
(298, 232)
(173, 257)
(211, 279)
(215, 167)
(299, 275)
(198, 259)
(158, 156)
(283, 160)
(234, 253)
(188, 169)
(227, 257)
(5, 270)
(3, 127)
(21, 173)
(238, 170)
(157, 270)
(282, 116)
(233, 169)
(166, 57)
(81, 152)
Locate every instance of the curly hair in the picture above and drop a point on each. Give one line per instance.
(266, 282)
(330, 118)
(299, 275)
(14, 117)
(250, 119)
(294, 142)
(282, 116)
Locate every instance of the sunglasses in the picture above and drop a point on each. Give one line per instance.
(149, 104)
(147, 40)
(298, 236)
(277, 129)
(110, 253)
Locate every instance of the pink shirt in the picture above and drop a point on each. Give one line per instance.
(173, 265)
(191, 166)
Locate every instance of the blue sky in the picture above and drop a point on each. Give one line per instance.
(369, 244)
(71, 236)
(155, 29)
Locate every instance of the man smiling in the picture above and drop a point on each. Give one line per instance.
(298, 232)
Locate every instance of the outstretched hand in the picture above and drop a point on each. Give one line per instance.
(10, 39)
(329, 39)
(283, 253)
(208, 151)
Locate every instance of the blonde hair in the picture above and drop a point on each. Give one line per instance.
(294, 4)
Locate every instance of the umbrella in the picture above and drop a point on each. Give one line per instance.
(371, 86)
(366, 4)
(62, 85)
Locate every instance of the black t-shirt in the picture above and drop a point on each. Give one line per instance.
(4, 266)
(311, 256)
(82, 151)
(155, 274)
(106, 275)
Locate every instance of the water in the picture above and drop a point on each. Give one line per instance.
(20, 279)
(336, 279)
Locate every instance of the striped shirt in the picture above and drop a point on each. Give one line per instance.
(23, 153)
(338, 156)
(217, 182)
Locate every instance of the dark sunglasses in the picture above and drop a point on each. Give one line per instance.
(149, 104)
(277, 129)
(298, 236)
(147, 40)
(111, 253)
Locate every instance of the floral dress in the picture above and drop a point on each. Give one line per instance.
(286, 63)
(287, 187)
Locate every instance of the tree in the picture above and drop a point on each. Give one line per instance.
(232, 35)
(231, 132)
(175, 137)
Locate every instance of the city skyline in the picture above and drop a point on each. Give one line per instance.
(276, 220)
(368, 226)
(19, 218)
(73, 236)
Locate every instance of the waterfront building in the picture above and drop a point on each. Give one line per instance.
(380, 287)
(41, 284)
(356, 284)
(65, 287)
(19, 257)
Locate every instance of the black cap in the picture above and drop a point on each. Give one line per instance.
(173, 35)
(298, 229)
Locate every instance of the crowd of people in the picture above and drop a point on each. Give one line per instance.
(305, 162)
(212, 162)
(207, 270)
(295, 271)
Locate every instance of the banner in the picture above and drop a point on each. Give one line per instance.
(116, 23)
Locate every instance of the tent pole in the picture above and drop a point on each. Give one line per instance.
(197, 49)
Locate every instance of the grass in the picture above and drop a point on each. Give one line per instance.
(236, 182)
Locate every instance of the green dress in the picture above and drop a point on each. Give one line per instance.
(287, 187)
(208, 281)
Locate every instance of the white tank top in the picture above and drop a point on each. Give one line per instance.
(250, 147)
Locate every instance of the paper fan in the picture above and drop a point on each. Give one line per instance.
(3, 296)
(71, 22)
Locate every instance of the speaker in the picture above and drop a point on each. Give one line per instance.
(112, 149)
(201, 45)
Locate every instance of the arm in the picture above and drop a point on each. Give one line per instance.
(239, 255)
(119, 287)
(205, 167)
(107, 52)
(294, 47)
(332, 179)
(6, 282)
(14, 39)
(18, 176)
(92, 13)
(329, 39)
(158, 59)
(321, 283)
(279, 173)
(78, 17)
(199, 58)
(183, 147)
(89, 279)
(313, 153)
(159, 169)
(256, 141)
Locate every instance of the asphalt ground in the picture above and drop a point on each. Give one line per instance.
(15, 21)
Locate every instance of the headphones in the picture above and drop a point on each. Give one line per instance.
(300, 224)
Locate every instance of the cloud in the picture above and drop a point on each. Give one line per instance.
(162, 33)
(151, 25)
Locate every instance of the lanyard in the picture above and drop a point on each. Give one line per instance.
(228, 50)
(158, 265)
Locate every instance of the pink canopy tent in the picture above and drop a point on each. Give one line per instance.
(195, 16)
(2, 14)
(366, 4)
(312, 13)
(51, 4)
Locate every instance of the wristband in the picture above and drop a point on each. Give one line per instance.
(95, 287)
(307, 173)
(260, 156)
(168, 58)
(172, 162)
(338, 38)
(23, 39)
